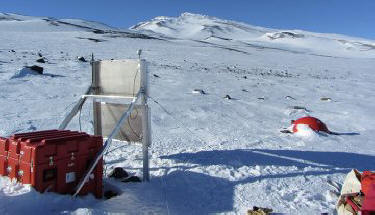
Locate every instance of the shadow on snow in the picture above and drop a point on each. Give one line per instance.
(190, 192)
(183, 191)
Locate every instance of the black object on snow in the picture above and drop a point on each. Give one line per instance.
(325, 99)
(40, 54)
(41, 60)
(286, 131)
(110, 194)
(95, 40)
(299, 108)
(132, 179)
(289, 97)
(156, 76)
(36, 68)
(227, 97)
(82, 59)
(118, 173)
(92, 39)
(260, 210)
(200, 91)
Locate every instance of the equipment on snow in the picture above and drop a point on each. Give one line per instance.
(259, 211)
(314, 123)
(357, 194)
(367, 180)
(52, 160)
(118, 173)
(118, 80)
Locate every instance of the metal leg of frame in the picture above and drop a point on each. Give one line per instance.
(107, 143)
(74, 111)
(146, 143)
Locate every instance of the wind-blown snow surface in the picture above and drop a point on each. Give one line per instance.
(213, 155)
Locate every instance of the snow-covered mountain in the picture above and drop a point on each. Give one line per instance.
(217, 31)
(194, 26)
(25, 23)
(209, 154)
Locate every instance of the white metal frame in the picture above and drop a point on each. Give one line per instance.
(146, 122)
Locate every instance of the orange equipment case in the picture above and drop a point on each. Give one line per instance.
(52, 160)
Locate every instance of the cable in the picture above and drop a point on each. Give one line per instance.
(178, 121)
(79, 117)
(164, 185)
(135, 109)
(130, 126)
(187, 160)
(136, 74)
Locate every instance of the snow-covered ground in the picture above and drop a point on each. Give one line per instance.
(213, 155)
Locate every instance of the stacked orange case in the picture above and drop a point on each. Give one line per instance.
(52, 160)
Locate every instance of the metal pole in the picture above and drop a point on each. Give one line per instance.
(107, 143)
(108, 97)
(145, 143)
(74, 111)
(146, 140)
(80, 102)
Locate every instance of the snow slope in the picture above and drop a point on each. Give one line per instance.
(229, 33)
(213, 155)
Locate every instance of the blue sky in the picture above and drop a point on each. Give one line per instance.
(355, 17)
